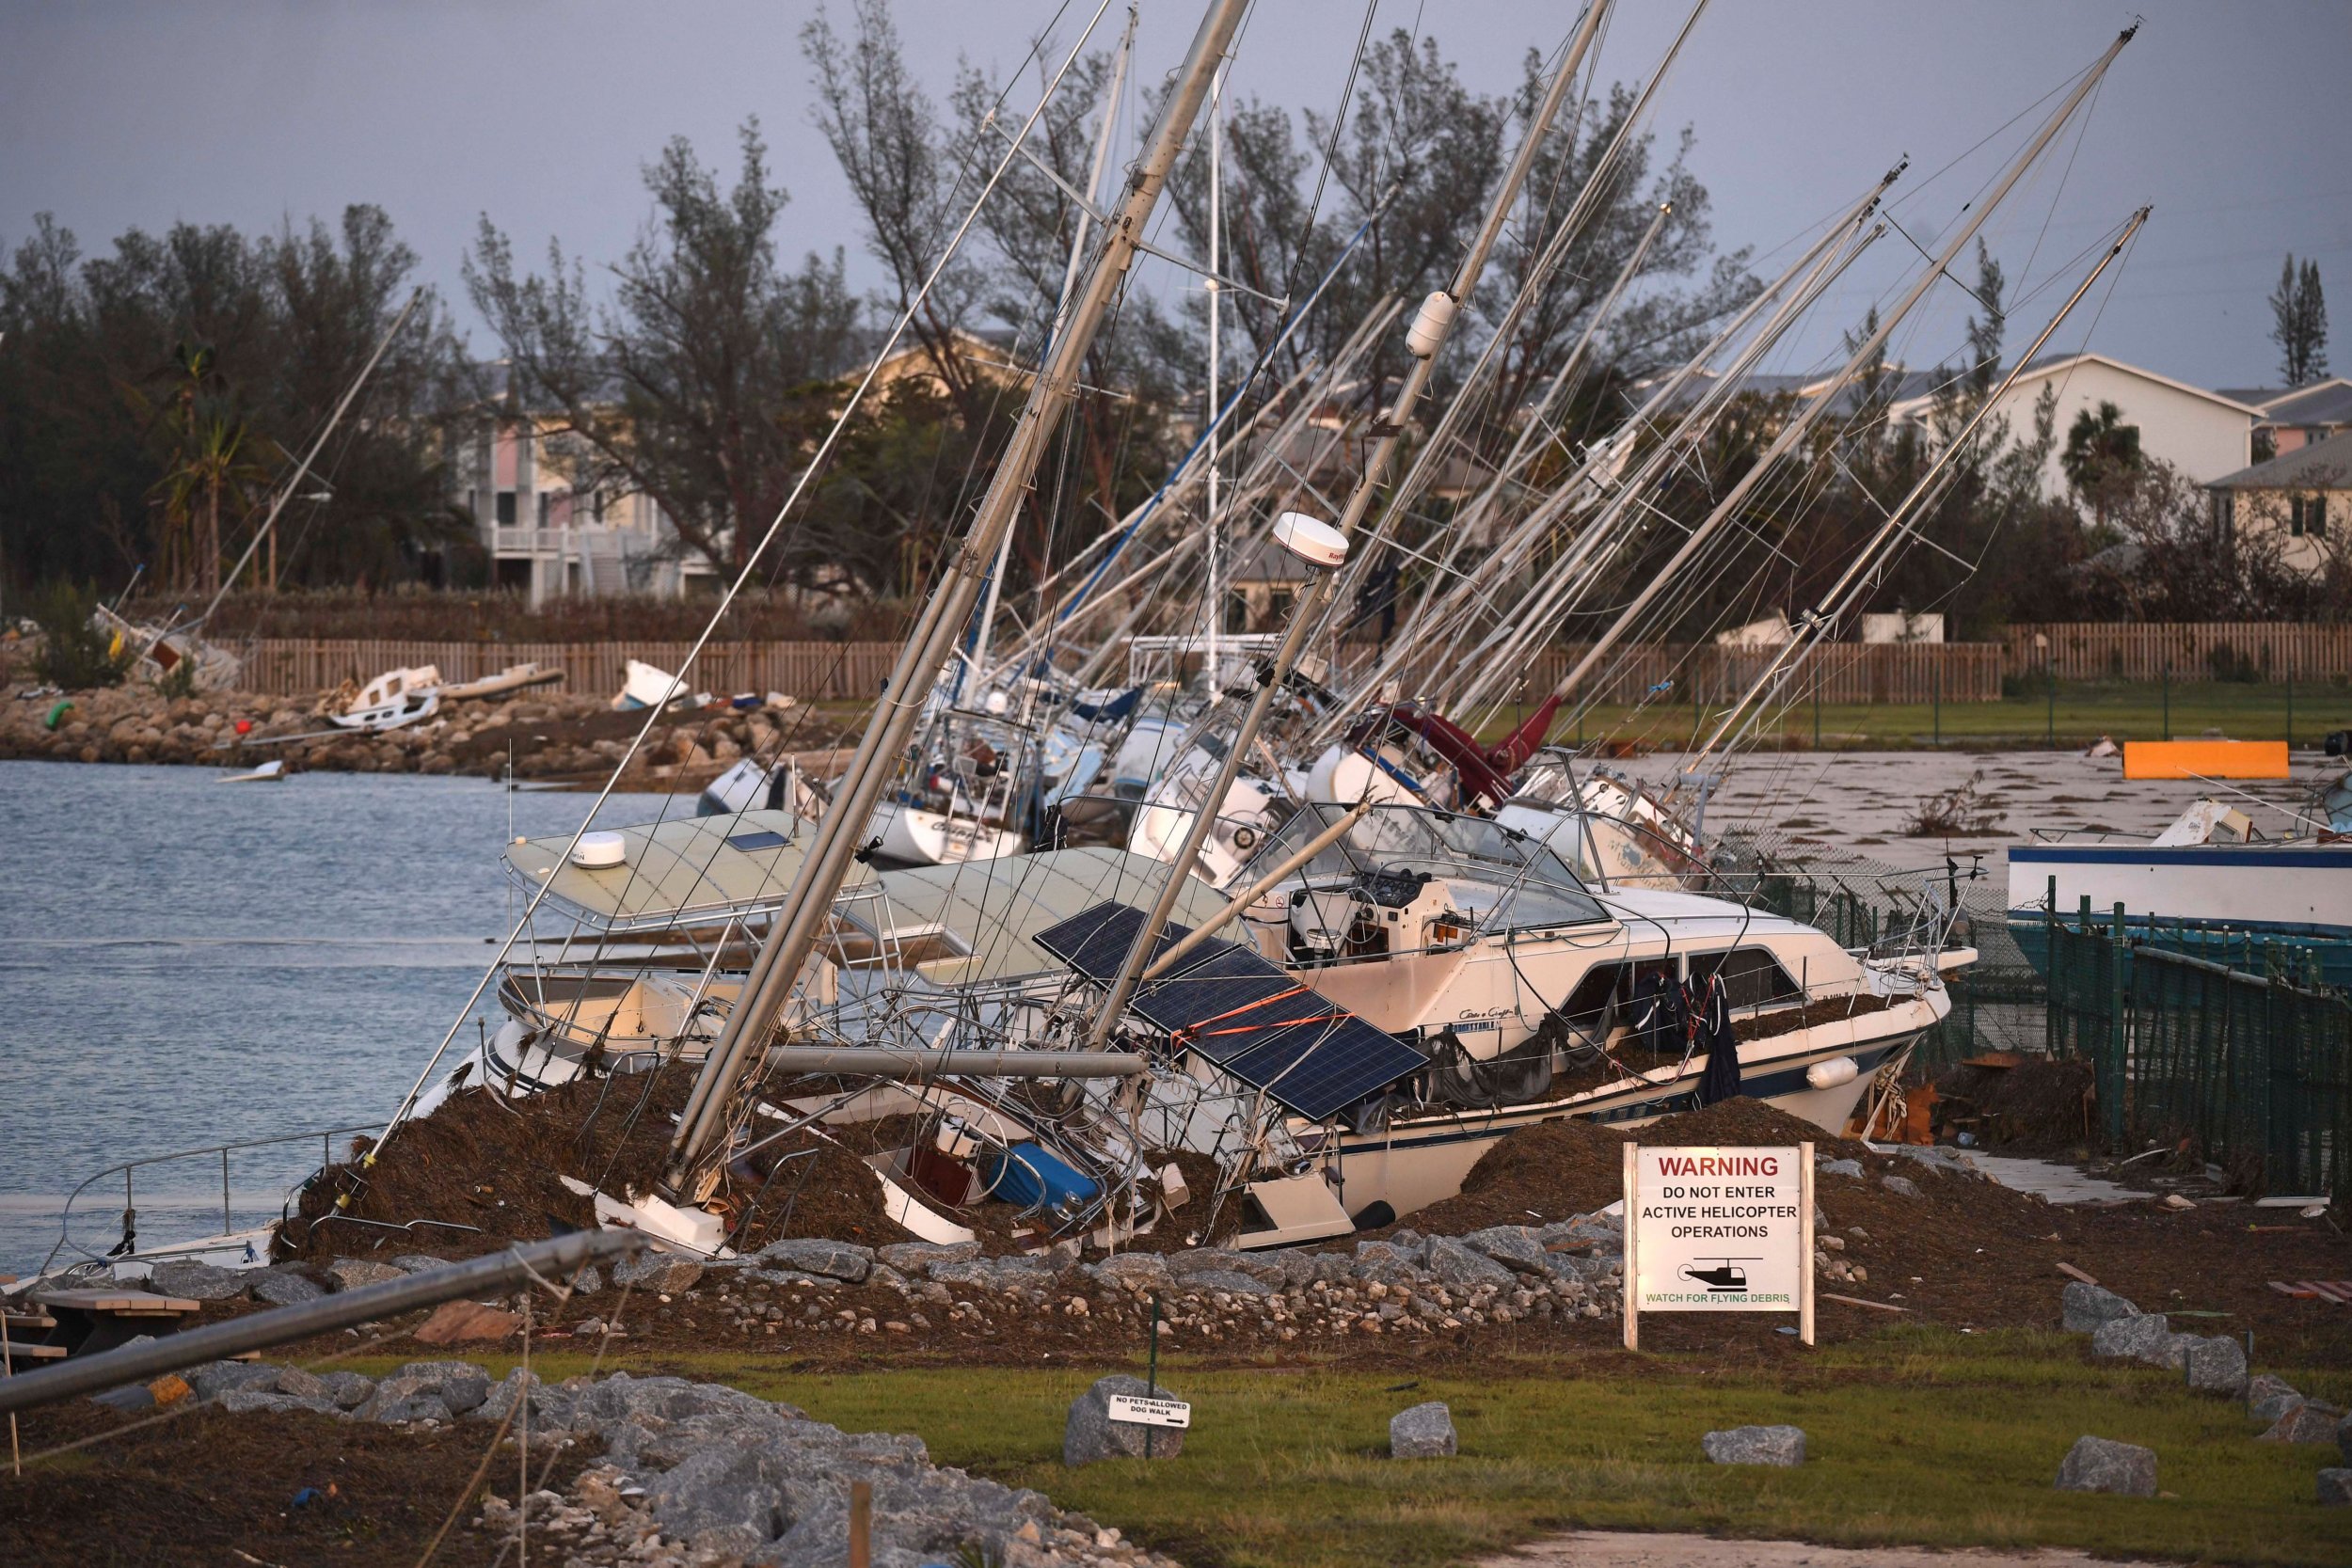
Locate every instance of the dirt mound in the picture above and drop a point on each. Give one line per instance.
(2037, 1103)
(1536, 1175)
(1745, 1121)
(482, 1171)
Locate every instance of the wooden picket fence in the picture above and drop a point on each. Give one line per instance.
(1845, 672)
(2188, 651)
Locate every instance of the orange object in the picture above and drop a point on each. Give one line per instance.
(2204, 759)
(1919, 1112)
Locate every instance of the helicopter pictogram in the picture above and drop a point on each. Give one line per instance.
(1726, 1275)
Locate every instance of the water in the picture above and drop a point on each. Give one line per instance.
(185, 963)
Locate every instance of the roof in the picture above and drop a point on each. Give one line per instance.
(2323, 465)
(679, 872)
(2326, 402)
(2041, 369)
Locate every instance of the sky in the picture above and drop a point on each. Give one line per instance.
(2229, 119)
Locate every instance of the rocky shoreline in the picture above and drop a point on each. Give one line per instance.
(548, 736)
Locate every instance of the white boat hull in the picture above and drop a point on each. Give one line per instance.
(913, 836)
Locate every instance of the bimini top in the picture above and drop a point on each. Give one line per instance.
(979, 916)
(1505, 878)
(685, 871)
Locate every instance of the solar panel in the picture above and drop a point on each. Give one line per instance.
(759, 838)
(1095, 942)
(1251, 1018)
(1319, 1070)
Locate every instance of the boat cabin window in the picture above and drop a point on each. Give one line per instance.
(1608, 988)
(1502, 879)
(1751, 977)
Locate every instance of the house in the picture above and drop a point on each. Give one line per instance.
(2205, 434)
(2299, 415)
(2303, 497)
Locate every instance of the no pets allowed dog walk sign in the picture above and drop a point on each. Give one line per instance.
(1718, 1231)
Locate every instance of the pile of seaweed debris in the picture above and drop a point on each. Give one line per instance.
(482, 1171)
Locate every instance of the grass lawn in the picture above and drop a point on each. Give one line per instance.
(1915, 1437)
(2085, 711)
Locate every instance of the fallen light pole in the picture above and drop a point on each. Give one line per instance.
(518, 1265)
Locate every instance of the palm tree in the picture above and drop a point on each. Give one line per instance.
(2102, 456)
(209, 463)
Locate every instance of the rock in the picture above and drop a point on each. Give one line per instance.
(588, 1328)
(1842, 1167)
(1226, 1280)
(914, 1257)
(2269, 1398)
(1090, 1434)
(1423, 1432)
(350, 1273)
(843, 1261)
(2309, 1422)
(216, 1378)
(284, 1288)
(2097, 1465)
(2146, 1338)
(1389, 1263)
(658, 1272)
(1514, 1246)
(300, 1384)
(242, 1402)
(1132, 1270)
(588, 1280)
(2215, 1365)
(2086, 1306)
(426, 1390)
(349, 1390)
(722, 1502)
(2335, 1488)
(418, 1262)
(2344, 1438)
(185, 1277)
(550, 1408)
(133, 1398)
(1774, 1444)
(1456, 1264)
(1903, 1185)
(455, 1322)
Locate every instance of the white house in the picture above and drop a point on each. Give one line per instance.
(2205, 434)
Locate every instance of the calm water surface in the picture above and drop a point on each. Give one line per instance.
(185, 963)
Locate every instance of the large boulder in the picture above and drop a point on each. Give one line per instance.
(2146, 1338)
(216, 1378)
(2335, 1488)
(914, 1257)
(722, 1501)
(282, 1287)
(843, 1261)
(1771, 1444)
(350, 1273)
(1902, 1186)
(455, 1322)
(1423, 1432)
(1456, 1264)
(2086, 1306)
(2099, 1465)
(1514, 1246)
(1230, 1281)
(2310, 1421)
(2215, 1365)
(1090, 1434)
(2269, 1398)
(1134, 1271)
(426, 1390)
(185, 1277)
(657, 1272)
(1389, 1263)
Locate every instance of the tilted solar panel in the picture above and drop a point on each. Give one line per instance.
(1251, 1018)
(1095, 942)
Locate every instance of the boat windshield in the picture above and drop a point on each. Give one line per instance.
(1532, 886)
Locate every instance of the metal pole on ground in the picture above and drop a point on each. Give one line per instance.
(2116, 1033)
(2167, 699)
(138, 1363)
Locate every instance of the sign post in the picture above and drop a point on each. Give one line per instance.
(1718, 1231)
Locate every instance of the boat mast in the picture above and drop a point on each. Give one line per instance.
(1425, 341)
(1795, 429)
(792, 939)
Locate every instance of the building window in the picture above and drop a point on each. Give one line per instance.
(2307, 516)
(506, 509)
(2224, 519)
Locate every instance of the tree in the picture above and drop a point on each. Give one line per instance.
(2102, 459)
(699, 383)
(2298, 315)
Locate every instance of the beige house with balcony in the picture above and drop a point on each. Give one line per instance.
(2302, 498)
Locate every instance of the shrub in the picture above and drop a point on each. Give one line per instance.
(74, 654)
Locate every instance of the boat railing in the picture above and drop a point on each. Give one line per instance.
(128, 1248)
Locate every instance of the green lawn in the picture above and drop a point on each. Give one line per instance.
(2084, 711)
(1915, 1435)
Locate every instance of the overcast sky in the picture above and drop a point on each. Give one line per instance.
(2232, 119)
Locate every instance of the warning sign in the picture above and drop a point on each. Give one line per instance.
(1719, 1230)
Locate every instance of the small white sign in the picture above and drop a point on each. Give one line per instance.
(1138, 1411)
(1719, 1230)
